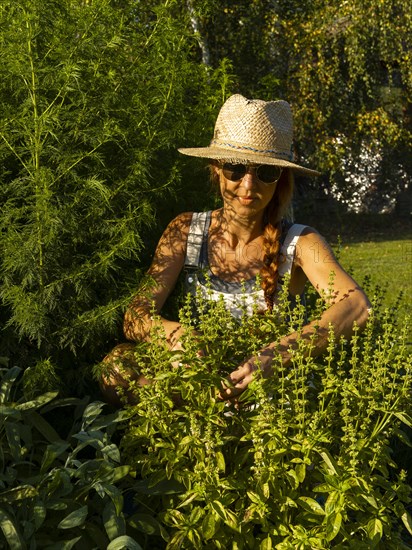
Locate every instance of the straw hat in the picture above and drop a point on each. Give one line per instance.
(252, 131)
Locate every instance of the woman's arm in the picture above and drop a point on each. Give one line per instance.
(164, 271)
(348, 305)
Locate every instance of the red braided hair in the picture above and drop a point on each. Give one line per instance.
(274, 213)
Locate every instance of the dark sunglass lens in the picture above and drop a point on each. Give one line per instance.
(234, 172)
(267, 173)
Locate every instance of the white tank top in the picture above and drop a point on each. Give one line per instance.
(239, 298)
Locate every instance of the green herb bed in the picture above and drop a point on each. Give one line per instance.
(317, 456)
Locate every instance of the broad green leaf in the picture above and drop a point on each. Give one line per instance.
(95, 533)
(220, 459)
(52, 452)
(94, 438)
(284, 530)
(194, 537)
(195, 515)
(323, 488)
(300, 470)
(265, 488)
(293, 479)
(7, 410)
(189, 499)
(56, 504)
(18, 493)
(232, 520)
(311, 505)
(120, 472)
(13, 432)
(64, 402)
(115, 495)
(374, 528)
(114, 523)
(219, 509)
(7, 380)
(255, 498)
(370, 499)
(177, 517)
(407, 521)
(124, 542)
(39, 514)
(287, 501)
(266, 544)
(111, 452)
(164, 487)
(74, 519)
(333, 523)
(225, 514)
(38, 402)
(330, 462)
(146, 524)
(209, 526)
(60, 485)
(10, 532)
(333, 502)
(92, 411)
(177, 540)
(400, 434)
(98, 487)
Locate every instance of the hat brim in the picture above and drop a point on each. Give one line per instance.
(218, 153)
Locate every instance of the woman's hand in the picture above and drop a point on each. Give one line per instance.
(239, 379)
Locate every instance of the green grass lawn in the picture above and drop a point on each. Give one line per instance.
(377, 246)
(387, 264)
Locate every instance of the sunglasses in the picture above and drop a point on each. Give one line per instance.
(266, 173)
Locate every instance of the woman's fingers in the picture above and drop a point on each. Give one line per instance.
(238, 380)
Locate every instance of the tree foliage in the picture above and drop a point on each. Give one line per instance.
(345, 67)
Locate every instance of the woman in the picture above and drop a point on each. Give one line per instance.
(251, 161)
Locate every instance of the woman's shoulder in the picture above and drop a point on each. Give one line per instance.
(183, 221)
(178, 229)
(184, 218)
(308, 233)
(313, 246)
(297, 227)
(180, 224)
(292, 232)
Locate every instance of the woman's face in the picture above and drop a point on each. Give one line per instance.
(247, 196)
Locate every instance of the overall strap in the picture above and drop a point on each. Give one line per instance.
(288, 249)
(197, 233)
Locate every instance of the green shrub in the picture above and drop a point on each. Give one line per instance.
(95, 98)
(61, 474)
(302, 460)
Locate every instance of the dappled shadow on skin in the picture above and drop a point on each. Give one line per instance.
(226, 261)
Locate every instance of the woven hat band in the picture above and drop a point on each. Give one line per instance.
(272, 152)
